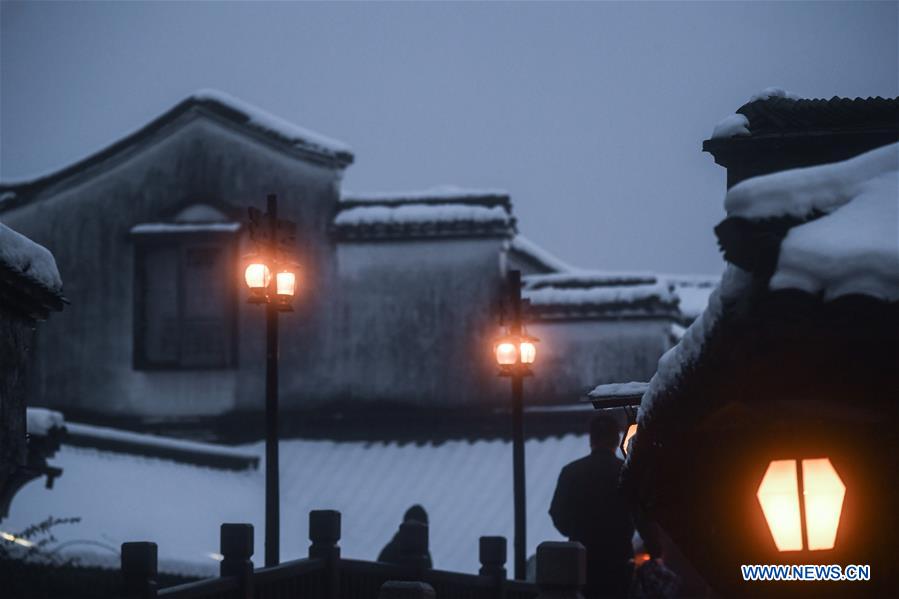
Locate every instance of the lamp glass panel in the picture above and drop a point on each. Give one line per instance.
(528, 351)
(286, 283)
(822, 492)
(258, 276)
(631, 431)
(778, 495)
(506, 353)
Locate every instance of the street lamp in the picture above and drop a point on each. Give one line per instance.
(273, 237)
(816, 517)
(515, 352)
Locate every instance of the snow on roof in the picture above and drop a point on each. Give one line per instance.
(854, 246)
(679, 358)
(737, 125)
(583, 279)
(692, 291)
(39, 421)
(419, 214)
(161, 228)
(465, 487)
(439, 193)
(269, 123)
(626, 294)
(29, 259)
(611, 390)
(523, 245)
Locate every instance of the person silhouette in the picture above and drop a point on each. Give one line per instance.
(587, 507)
(391, 553)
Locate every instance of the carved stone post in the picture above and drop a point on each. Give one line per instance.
(139, 570)
(237, 549)
(324, 532)
(492, 555)
(561, 570)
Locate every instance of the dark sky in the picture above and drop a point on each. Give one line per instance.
(591, 114)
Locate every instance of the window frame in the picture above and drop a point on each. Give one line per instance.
(227, 241)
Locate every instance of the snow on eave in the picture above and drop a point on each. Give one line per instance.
(677, 360)
(737, 125)
(40, 421)
(31, 260)
(612, 390)
(599, 296)
(314, 145)
(167, 228)
(421, 213)
(850, 242)
(525, 246)
(581, 279)
(270, 123)
(439, 194)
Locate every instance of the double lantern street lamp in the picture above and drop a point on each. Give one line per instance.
(272, 280)
(515, 351)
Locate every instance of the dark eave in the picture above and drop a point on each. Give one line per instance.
(27, 298)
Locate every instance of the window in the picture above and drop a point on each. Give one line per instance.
(184, 301)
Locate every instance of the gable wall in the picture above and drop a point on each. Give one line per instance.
(85, 356)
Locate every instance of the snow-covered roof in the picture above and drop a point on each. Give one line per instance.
(30, 260)
(584, 293)
(308, 144)
(439, 212)
(166, 228)
(853, 248)
(538, 255)
(465, 487)
(775, 112)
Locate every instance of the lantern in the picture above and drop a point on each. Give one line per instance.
(257, 275)
(527, 350)
(822, 493)
(506, 352)
(285, 284)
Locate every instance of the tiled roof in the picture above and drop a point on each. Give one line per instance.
(465, 487)
(779, 116)
(437, 213)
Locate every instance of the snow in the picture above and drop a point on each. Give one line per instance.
(157, 228)
(29, 259)
(39, 421)
(774, 92)
(588, 278)
(200, 213)
(112, 434)
(737, 125)
(271, 123)
(733, 125)
(437, 193)
(420, 213)
(692, 291)
(522, 244)
(600, 295)
(854, 247)
(466, 488)
(619, 390)
(734, 283)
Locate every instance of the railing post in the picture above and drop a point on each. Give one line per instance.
(492, 555)
(139, 570)
(414, 546)
(324, 532)
(237, 549)
(561, 570)
(394, 589)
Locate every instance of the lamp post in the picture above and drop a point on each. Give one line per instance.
(515, 352)
(273, 237)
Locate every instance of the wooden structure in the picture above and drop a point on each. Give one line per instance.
(324, 574)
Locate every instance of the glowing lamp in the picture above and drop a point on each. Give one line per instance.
(625, 442)
(285, 284)
(527, 350)
(822, 496)
(258, 276)
(506, 353)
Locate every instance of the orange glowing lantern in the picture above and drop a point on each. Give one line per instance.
(506, 352)
(257, 275)
(527, 350)
(285, 284)
(822, 496)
